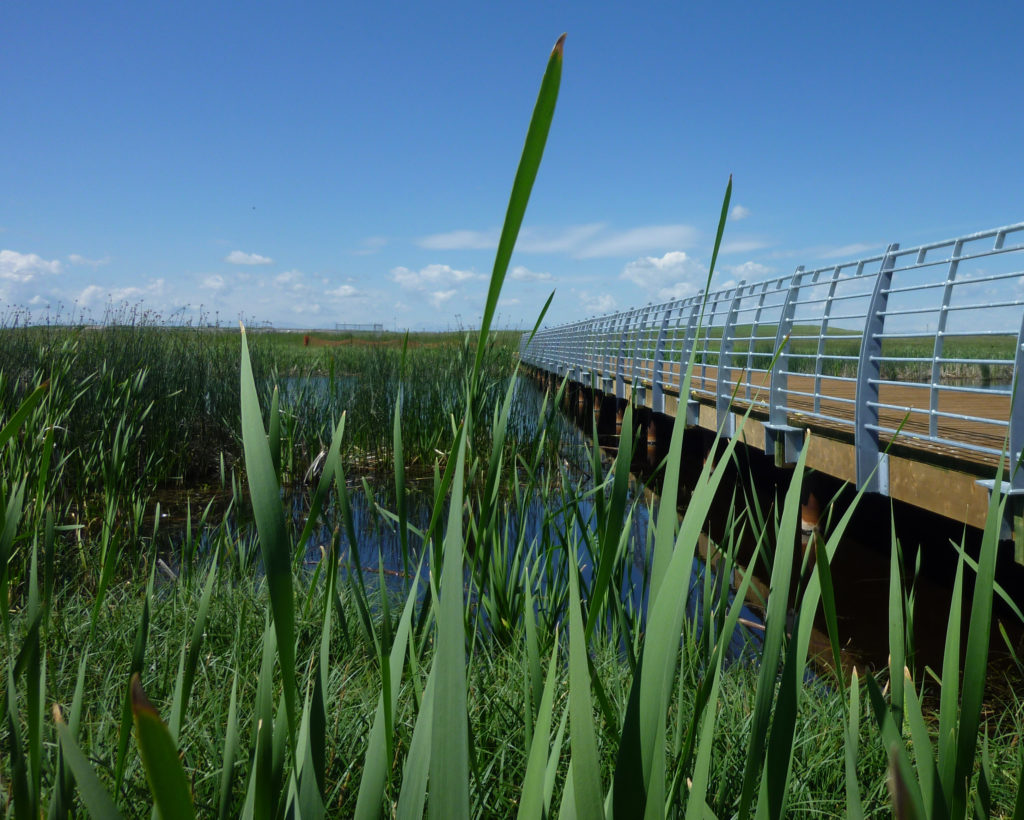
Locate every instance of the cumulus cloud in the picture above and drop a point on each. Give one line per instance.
(431, 276)
(522, 274)
(742, 246)
(597, 302)
(671, 276)
(24, 267)
(93, 295)
(751, 271)
(216, 283)
(289, 279)
(77, 259)
(563, 240)
(738, 212)
(587, 241)
(638, 240)
(853, 249)
(344, 292)
(371, 244)
(439, 297)
(460, 241)
(243, 258)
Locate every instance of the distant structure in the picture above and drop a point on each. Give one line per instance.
(370, 328)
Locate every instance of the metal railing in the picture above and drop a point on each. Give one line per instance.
(923, 342)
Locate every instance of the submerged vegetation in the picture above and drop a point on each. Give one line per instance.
(505, 676)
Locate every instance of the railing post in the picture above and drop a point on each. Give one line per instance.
(781, 440)
(657, 376)
(752, 343)
(692, 410)
(1017, 416)
(620, 380)
(826, 315)
(940, 331)
(723, 394)
(636, 390)
(872, 466)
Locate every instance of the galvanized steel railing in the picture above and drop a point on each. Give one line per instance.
(925, 341)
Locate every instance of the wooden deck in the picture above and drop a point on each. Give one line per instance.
(941, 476)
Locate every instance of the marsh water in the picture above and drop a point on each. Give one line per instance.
(373, 549)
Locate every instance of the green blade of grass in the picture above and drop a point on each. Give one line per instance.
(265, 493)
(976, 658)
(14, 423)
(526, 173)
(531, 804)
(413, 793)
(449, 748)
(167, 781)
(95, 798)
(587, 790)
(775, 630)
(854, 808)
(377, 765)
(230, 750)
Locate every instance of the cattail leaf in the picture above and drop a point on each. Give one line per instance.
(854, 808)
(95, 798)
(587, 790)
(526, 173)
(230, 751)
(167, 781)
(377, 763)
(531, 803)
(265, 493)
(449, 748)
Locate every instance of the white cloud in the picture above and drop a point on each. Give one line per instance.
(586, 241)
(672, 276)
(93, 295)
(853, 249)
(598, 302)
(24, 267)
(370, 245)
(77, 259)
(243, 258)
(742, 246)
(215, 282)
(522, 274)
(439, 297)
(751, 271)
(460, 241)
(289, 279)
(638, 240)
(344, 292)
(431, 276)
(738, 212)
(563, 240)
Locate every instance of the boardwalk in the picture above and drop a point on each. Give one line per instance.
(863, 362)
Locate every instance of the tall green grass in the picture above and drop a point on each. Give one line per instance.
(512, 679)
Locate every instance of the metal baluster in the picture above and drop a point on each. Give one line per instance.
(872, 466)
(657, 374)
(723, 392)
(818, 360)
(940, 330)
(780, 439)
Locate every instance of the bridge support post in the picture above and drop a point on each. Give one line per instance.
(872, 464)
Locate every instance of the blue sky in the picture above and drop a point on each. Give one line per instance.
(320, 163)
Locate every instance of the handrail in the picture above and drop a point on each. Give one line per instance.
(930, 338)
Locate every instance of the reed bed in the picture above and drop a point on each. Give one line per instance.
(508, 676)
